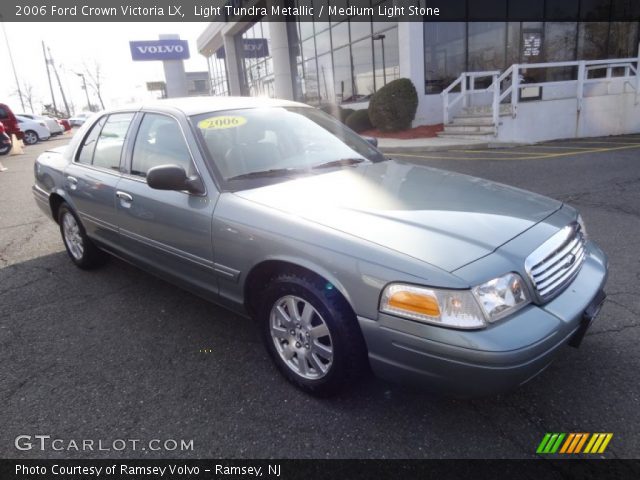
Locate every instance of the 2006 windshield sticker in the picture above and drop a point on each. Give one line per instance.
(219, 123)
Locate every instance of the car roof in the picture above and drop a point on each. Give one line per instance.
(197, 105)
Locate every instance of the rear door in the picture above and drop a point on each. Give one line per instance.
(169, 231)
(91, 178)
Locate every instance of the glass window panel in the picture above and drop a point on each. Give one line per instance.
(340, 34)
(110, 141)
(625, 9)
(386, 61)
(323, 42)
(362, 55)
(559, 46)
(159, 142)
(360, 29)
(89, 144)
(561, 9)
(595, 9)
(519, 10)
(309, 48)
(623, 40)
(310, 82)
(342, 73)
(445, 54)
(325, 79)
(592, 40)
(487, 41)
(487, 10)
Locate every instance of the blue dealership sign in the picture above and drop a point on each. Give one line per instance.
(252, 47)
(159, 50)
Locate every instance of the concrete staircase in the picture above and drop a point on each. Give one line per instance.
(474, 122)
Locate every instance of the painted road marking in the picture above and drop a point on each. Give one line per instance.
(529, 156)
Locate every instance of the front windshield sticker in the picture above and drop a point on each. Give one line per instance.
(219, 123)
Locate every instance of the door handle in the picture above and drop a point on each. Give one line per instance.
(73, 182)
(124, 196)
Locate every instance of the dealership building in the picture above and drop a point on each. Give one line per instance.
(347, 60)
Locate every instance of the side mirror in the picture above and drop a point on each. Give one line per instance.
(173, 177)
(372, 140)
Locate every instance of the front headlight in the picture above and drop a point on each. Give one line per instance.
(447, 308)
(466, 309)
(501, 296)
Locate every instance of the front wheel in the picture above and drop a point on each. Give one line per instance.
(5, 144)
(80, 248)
(31, 137)
(311, 334)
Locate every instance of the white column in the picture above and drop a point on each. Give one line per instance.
(174, 74)
(411, 42)
(283, 75)
(232, 64)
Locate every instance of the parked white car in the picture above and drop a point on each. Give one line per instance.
(34, 130)
(52, 124)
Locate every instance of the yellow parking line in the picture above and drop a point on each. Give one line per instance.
(560, 147)
(503, 152)
(538, 157)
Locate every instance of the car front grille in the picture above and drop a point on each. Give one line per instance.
(553, 265)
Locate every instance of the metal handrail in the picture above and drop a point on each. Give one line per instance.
(631, 72)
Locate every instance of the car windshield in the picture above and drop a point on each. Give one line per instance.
(279, 142)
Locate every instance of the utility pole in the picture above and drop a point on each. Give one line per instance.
(46, 62)
(86, 92)
(15, 75)
(55, 70)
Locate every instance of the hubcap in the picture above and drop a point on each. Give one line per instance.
(30, 138)
(72, 237)
(301, 337)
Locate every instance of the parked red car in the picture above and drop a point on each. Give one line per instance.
(5, 141)
(10, 122)
(65, 123)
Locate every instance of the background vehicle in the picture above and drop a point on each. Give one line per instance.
(5, 141)
(65, 124)
(79, 119)
(345, 258)
(34, 130)
(52, 124)
(10, 122)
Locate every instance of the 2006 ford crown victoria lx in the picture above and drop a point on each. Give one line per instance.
(347, 260)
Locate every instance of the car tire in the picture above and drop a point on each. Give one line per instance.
(5, 148)
(82, 251)
(31, 137)
(312, 334)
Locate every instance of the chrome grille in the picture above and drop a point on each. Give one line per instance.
(553, 265)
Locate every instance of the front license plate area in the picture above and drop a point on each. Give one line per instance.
(589, 315)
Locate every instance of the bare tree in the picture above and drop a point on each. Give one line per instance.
(28, 95)
(93, 74)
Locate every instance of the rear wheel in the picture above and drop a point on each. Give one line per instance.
(311, 333)
(5, 144)
(80, 248)
(31, 137)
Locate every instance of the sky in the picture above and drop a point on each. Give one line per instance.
(73, 45)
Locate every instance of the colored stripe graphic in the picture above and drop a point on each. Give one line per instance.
(574, 443)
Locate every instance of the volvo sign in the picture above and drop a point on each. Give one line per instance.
(159, 50)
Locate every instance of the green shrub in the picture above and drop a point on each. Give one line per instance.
(345, 113)
(394, 106)
(359, 121)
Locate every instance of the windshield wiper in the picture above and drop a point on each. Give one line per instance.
(343, 162)
(274, 172)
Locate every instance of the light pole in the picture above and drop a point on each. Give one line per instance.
(15, 75)
(381, 37)
(84, 85)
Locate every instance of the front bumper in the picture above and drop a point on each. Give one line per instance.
(492, 360)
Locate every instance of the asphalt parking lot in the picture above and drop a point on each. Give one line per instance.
(118, 354)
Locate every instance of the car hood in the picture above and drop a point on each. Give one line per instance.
(443, 218)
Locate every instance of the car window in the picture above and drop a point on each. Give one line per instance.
(160, 142)
(89, 144)
(111, 140)
(3, 113)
